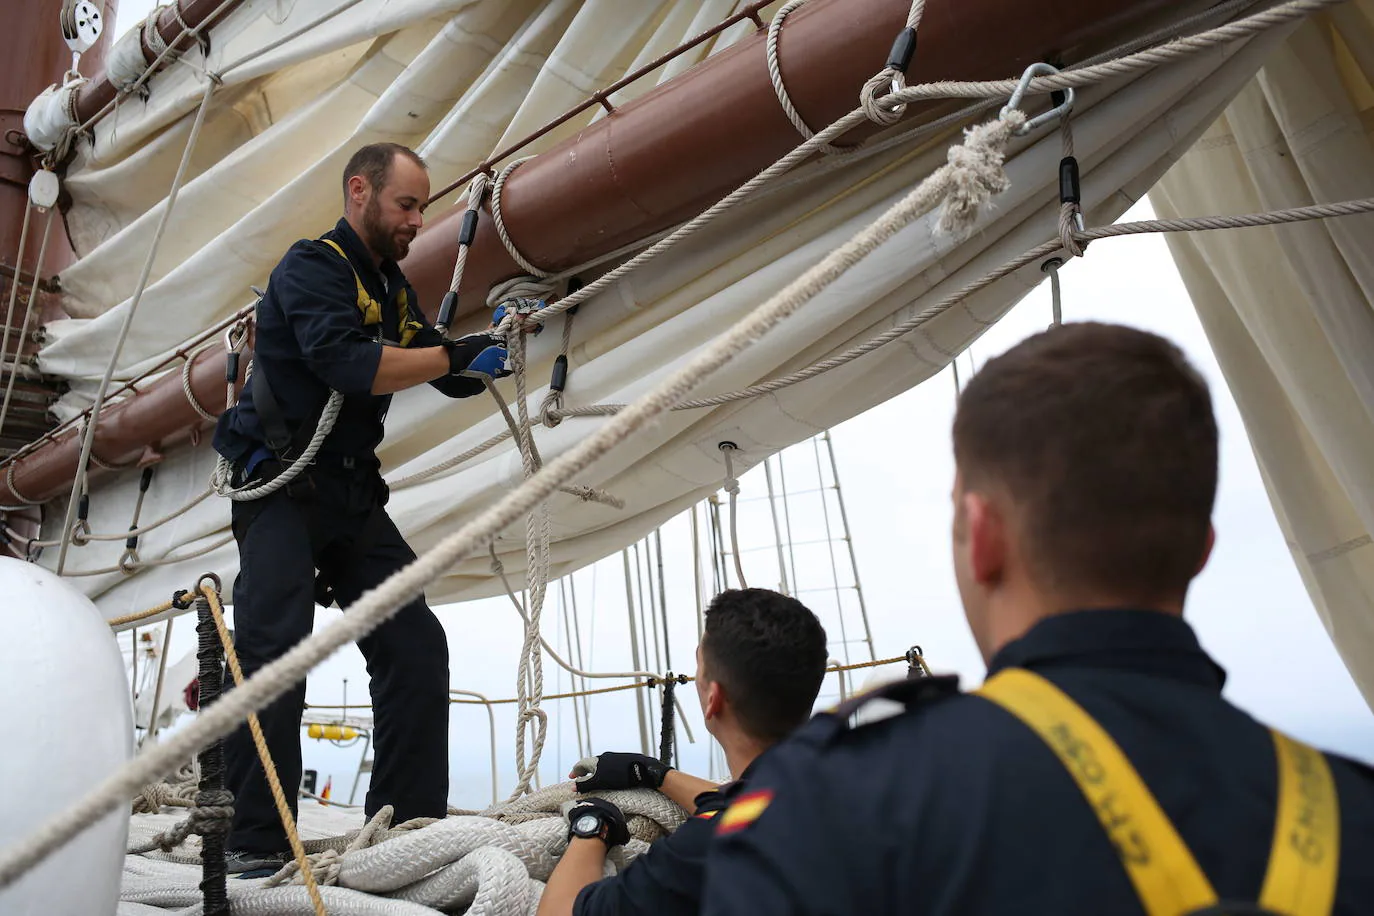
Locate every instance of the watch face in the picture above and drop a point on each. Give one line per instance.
(588, 825)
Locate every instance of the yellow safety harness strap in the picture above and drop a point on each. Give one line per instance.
(1305, 858)
(372, 309)
(1165, 874)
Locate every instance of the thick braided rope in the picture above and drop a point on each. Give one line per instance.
(380, 603)
(260, 742)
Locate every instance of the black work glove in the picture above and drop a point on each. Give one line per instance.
(477, 356)
(614, 770)
(614, 831)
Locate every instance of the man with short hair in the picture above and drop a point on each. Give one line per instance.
(759, 667)
(338, 315)
(1098, 770)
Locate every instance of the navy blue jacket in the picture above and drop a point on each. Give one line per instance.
(955, 806)
(310, 338)
(666, 880)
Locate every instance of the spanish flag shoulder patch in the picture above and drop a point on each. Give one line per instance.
(745, 810)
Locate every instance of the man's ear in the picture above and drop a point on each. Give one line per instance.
(714, 703)
(358, 190)
(987, 538)
(1207, 549)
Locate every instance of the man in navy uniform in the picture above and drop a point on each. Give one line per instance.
(1098, 770)
(339, 315)
(759, 667)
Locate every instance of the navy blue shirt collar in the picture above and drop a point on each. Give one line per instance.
(1149, 642)
(361, 258)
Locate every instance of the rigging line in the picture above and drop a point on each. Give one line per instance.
(88, 439)
(577, 641)
(491, 724)
(830, 547)
(697, 573)
(166, 560)
(1192, 224)
(500, 571)
(634, 652)
(15, 283)
(646, 618)
(663, 600)
(151, 733)
(28, 315)
(649, 600)
(572, 679)
(849, 542)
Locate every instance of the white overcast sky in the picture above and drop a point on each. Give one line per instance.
(1249, 606)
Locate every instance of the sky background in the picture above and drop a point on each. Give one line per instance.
(1249, 606)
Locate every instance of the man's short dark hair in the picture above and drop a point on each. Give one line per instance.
(768, 651)
(1104, 439)
(374, 161)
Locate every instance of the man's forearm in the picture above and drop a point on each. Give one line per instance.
(583, 863)
(401, 368)
(684, 788)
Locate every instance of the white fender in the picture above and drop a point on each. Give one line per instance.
(66, 724)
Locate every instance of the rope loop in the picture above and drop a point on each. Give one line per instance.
(81, 532)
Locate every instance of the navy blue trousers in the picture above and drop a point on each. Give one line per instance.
(337, 524)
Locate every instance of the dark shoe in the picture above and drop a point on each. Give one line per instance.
(254, 864)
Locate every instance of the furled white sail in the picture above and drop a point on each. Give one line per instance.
(1290, 310)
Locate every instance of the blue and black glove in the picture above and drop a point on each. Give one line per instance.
(481, 356)
(614, 770)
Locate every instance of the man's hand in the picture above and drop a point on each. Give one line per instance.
(614, 831)
(477, 356)
(618, 771)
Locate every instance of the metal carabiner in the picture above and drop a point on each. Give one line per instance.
(1058, 112)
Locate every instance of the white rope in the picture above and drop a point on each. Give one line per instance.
(1194, 224)
(222, 478)
(477, 189)
(190, 393)
(497, 189)
(780, 87)
(732, 488)
(1149, 59)
(872, 98)
(88, 440)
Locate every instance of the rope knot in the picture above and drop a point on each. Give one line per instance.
(976, 171)
(875, 101)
